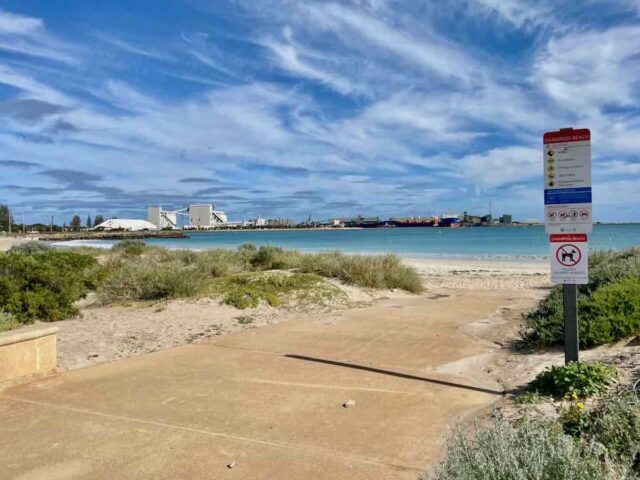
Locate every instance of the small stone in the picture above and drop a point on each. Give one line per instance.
(92, 355)
(349, 404)
(231, 465)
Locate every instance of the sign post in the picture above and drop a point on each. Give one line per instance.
(568, 220)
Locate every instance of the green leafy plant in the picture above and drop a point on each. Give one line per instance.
(608, 306)
(581, 378)
(246, 291)
(31, 248)
(611, 313)
(45, 285)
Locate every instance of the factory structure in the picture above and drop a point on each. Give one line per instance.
(200, 217)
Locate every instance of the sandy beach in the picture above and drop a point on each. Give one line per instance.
(7, 242)
(106, 333)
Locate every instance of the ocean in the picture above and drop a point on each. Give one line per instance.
(495, 243)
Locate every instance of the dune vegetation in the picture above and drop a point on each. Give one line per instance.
(41, 283)
(608, 306)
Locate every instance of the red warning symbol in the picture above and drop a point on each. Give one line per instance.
(568, 255)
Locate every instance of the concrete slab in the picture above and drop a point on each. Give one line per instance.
(268, 399)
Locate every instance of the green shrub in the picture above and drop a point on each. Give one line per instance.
(527, 449)
(246, 291)
(8, 321)
(147, 280)
(31, 248)
(612, 315)
(130, 247)
(582, 378)
(45, 285)
(608, 314)
(615, 423)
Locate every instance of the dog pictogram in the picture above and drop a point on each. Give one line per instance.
(568, 255)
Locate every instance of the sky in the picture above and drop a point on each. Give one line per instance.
(291, 109)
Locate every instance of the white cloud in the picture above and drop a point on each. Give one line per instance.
(12, 24)
(519, 13)
(500, 166)
(132, 48)
(426, 51)
(298, 61)
(32, 88)
(587, 71)
(617, 167)
(28, 36)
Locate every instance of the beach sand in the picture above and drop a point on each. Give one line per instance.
(7, 242)
(102, 334)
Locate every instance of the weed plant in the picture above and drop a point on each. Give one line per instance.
(583, 379)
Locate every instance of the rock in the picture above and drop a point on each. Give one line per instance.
(231, 465)
(349, 404)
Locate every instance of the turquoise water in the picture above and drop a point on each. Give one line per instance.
(499, 243)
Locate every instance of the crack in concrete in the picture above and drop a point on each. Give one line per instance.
(256, 441)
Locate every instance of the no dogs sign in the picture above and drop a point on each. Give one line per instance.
(569, 263)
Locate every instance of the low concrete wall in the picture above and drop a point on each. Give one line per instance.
(26, 352)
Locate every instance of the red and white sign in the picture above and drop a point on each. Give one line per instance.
(567, 181)
(569, 262)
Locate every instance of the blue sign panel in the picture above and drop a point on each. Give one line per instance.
(562, 196)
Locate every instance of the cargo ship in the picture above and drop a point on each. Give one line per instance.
(412, 222)
(366, 222)
(449, 220)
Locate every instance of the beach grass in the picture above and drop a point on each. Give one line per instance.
(38, 282)
(248, 290)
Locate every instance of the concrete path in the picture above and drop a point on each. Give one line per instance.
(268, 399)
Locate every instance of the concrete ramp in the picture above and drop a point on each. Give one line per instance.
(268, 402)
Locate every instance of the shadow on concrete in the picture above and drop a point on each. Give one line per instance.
(397, 374)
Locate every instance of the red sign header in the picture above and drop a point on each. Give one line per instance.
(564, 136)
(568, 237)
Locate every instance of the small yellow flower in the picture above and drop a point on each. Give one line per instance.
(574, 395)
(580, 406)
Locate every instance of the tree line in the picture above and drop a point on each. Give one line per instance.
(7, 222)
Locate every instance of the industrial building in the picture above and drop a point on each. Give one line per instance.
(162, 218)
(201, 216)
(204, 216)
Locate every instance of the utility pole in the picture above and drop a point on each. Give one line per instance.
(51, 225)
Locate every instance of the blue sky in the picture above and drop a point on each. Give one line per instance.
(285, 108)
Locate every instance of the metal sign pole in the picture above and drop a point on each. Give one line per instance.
(570, 304)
